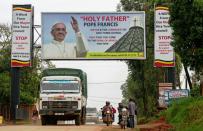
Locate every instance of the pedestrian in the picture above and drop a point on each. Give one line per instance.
(35, 115)
(132, 109)
(120, 107)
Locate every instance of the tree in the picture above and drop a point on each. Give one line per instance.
(29, 76)
(186, 21)
(5, 46)
(143, 78)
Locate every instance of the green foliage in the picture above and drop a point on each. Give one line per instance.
(195, 92)
(143, 120)
(4, 87)
(128, 5)
(186, 20)
(186, 114)
(5, 48)
(143, 78)
(178, 69)
(29, 83)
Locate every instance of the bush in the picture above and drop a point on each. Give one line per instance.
(186, 114)
(195, 92)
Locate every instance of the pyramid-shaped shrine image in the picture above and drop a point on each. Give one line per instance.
(131, 41)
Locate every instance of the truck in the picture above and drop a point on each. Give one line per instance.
(63, 96)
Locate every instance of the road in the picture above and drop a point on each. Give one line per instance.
(51, 128)
(158, 125)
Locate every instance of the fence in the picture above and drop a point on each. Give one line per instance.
(23, 112)
(5, 111)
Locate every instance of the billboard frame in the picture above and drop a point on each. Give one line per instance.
(108, 55)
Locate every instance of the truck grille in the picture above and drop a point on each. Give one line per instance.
(60, 104)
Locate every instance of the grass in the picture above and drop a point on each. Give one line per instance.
(186, 114)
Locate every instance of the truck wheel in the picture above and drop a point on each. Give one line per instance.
(83, 119)
(78, 120)
(43, 120)
(50, 120)
(53, 122)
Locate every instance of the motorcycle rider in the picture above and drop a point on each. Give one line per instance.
(106, 107)
(107, 113)
(124, 117)
(113, 112)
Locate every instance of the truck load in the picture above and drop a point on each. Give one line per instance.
(63, 96)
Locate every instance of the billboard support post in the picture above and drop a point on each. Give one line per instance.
(21, 51)
(171, 76)
(15, 91)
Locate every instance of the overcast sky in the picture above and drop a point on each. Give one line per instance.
(104, 77)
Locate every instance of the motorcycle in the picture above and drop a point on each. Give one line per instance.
(124, 118)
(107, 117)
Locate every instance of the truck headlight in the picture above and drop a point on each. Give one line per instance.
(45, 104)
(44, 107)
(75, 107)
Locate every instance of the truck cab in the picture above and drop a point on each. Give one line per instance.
(61, 98)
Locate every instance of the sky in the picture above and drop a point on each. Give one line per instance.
(104, 77)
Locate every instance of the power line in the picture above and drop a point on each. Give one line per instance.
(101, 101)
(106, 82)
(105, 97)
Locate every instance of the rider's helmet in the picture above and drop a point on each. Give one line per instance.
(107, 103)
(124, 110)
(120, 105)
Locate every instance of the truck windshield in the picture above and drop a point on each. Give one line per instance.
(60, 86)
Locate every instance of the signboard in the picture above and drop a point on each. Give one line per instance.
(163, 87)
(163, 97)
(174, 94)
(21, 36)
(93, 35)
(163, 51)
(170, 94)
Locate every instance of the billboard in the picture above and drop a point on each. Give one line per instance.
(21, 36)
(93, 35)
(163, 51)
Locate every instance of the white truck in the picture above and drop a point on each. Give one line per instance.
(63, 96)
